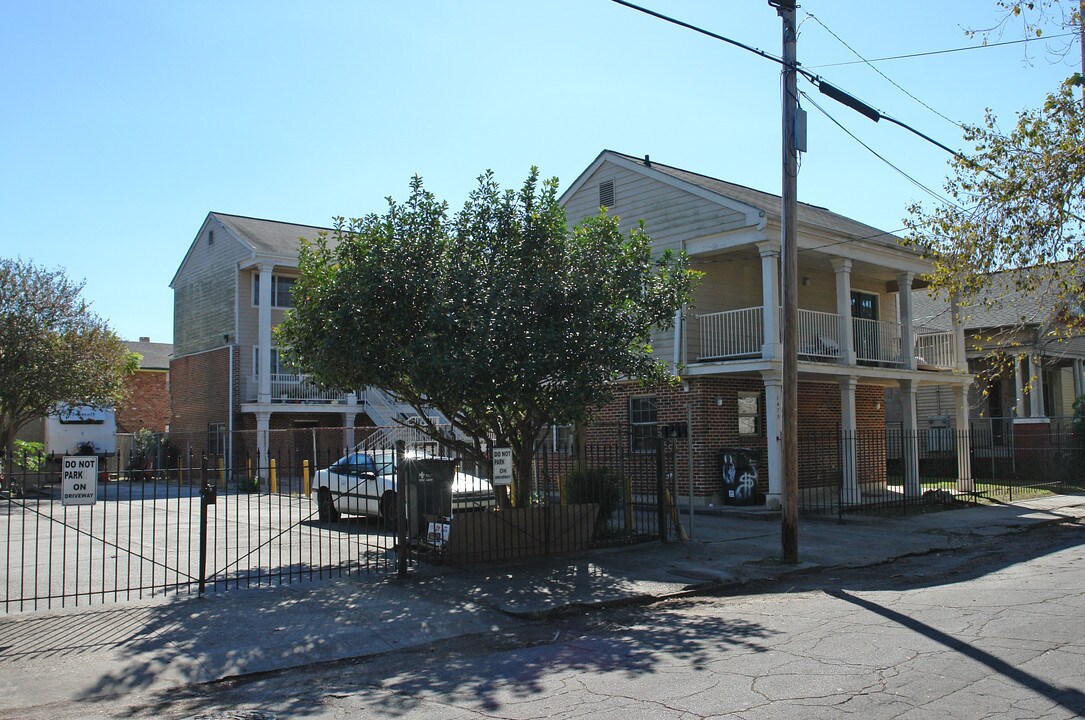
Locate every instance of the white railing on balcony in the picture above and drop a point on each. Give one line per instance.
(935, 348)
(731, 334)
(286, 388)
(818, 335)
(877, 341)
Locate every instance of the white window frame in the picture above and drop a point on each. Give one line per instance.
(637, 438)
(276, 361)
(275, 280)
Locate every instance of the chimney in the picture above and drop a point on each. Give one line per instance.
(144, 339)
(647, 161)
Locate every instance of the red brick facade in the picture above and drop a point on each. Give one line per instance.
(148, 403)
(200, 390)
(713, 406)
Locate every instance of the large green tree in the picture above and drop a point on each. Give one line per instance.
(500, 316)
(53, 349)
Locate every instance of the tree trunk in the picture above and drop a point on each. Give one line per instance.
(522, 457)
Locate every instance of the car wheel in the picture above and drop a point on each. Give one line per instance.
(389, 510)
(325, 507)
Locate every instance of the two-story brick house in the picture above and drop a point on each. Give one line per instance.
(857, 332)
(228, 385)
(148, 404)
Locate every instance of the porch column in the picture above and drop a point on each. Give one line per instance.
(263, 425)
(964, 437)
(849, 491)
(842, 266)
(960, 350)
(907, 321)
(770, 299)
(264, 334)
(910, 440)
(1018, 387)
(774, 383)
(1036, 387)
(348, 429)
(1079, 378)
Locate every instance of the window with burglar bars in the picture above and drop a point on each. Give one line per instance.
(642, 424)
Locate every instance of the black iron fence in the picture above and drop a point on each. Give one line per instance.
(901, 471)
(162, 520)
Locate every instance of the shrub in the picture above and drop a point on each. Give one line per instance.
(595, 485)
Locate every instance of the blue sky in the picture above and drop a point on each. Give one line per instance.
(124, 123)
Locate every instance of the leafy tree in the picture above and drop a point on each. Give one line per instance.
(53, 349)
(1017, 200)
(500, 317)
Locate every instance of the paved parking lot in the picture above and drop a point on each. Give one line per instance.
(143, 540)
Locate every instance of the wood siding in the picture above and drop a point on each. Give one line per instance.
(204, 292)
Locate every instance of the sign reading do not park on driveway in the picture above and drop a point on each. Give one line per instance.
(79, 480)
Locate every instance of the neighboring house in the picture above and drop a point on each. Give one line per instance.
(857, 331)
(1026, 348)
(148, 403)
(146, 407)
(227, 382)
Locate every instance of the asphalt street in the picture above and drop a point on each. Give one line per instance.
(994, 630)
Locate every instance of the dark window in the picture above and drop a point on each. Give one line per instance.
(281, 287)
(210, 237)
(642, 424)
(606, 193)
(216, 439)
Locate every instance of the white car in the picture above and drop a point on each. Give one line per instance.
(362, 483)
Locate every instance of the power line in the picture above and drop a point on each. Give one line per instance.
(940, 52)
(887, 78)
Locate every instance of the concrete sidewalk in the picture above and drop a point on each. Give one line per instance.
(113, 650)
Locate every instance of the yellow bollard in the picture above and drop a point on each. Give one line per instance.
(305, 477)
(274, 478)
(561, 492)
(248, 472)
(222, 471)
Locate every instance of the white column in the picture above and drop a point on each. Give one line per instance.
(849, 492)
(907, 320)
(960, 350)
(1018, 387)
(264, 334)
(1079, 378)
(348, 429)
(910, 440)
(1036, 387)
(964, 454)
(842, 266)
(770, 299)
(773, 441)
(263, 424)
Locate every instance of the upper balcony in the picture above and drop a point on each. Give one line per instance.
(739, 334)
(295, 390)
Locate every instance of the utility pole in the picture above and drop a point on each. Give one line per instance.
(789, 257)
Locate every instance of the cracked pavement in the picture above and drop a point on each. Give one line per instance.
(995, 630)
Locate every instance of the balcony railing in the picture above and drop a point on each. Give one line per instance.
(733, 334)
(286, 388)
(934, 348)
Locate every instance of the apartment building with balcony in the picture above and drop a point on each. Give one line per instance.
(857, 332)
(230, 392)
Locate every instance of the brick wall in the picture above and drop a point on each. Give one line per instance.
(199, 395)
(148, 403)
(713, 404)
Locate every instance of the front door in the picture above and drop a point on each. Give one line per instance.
(864, 314)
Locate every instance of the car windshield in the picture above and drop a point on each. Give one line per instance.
(355, 464)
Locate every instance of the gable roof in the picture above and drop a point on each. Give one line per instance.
(767, 203)
(154, 356)
(269, 237)
(1001, 304)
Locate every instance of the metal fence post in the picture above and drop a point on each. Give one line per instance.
(661, 511)
(203, 524)
(402, 549)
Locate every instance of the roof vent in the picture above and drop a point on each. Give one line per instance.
(606, 193)
(647, 161)
(210, 237)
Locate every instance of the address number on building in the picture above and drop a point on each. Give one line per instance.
(502, 466)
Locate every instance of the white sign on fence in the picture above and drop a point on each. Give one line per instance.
(79, 480)
(502, 466)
